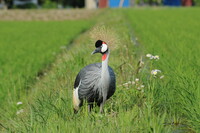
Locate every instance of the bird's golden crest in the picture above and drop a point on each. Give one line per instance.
(101, 32)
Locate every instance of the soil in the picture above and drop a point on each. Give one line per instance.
(46, 15)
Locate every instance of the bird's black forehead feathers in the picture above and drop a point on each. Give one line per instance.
(98, 43)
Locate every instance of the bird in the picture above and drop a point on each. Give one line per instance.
(96, 82)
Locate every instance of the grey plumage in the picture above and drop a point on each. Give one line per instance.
(90, 86)
(96, 82)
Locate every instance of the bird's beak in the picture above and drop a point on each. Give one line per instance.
(97, 50)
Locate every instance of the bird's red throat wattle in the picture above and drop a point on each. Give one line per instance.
(104, 57)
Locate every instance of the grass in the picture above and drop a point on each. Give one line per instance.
(50, 104)
(29, 47)
(173, 34)
(163, 105)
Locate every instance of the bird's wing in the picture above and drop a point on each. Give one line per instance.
(89, 76)
(112, 85)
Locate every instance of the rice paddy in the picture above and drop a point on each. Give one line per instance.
(155, 60)
(27, 48)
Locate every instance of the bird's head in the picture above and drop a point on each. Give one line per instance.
(101, 47)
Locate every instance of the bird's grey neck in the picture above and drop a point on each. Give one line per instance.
(105, 64)
(105, 77)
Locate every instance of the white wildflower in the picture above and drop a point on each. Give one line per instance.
(152, 57)
(129, 82)
(138, 88)
(148, 55)
(155, 72)
(158, 70)
(19, 111)
(142, 86)
(18, 103)
(156, 57)
(125, 84)
(136, 80)
(161, 77)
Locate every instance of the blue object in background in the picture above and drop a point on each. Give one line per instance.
(172, 2)
(115, 3)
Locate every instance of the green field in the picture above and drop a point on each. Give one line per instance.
(152, 104)
(27, 48)
(176, 39)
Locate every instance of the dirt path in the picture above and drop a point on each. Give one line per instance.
(46, 15)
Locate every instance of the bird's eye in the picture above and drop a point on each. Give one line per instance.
(104, 47)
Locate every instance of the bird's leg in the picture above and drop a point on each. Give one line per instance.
(90, 106)
(102, 104)
(101, 107)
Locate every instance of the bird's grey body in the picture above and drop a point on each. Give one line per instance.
(95, 83)
(91, 87)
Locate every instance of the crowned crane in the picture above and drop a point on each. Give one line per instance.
(95, 83)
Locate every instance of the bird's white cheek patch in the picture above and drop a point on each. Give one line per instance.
(104, 48)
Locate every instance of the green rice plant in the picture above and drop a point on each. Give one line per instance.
(173, 34)
(27, 48)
